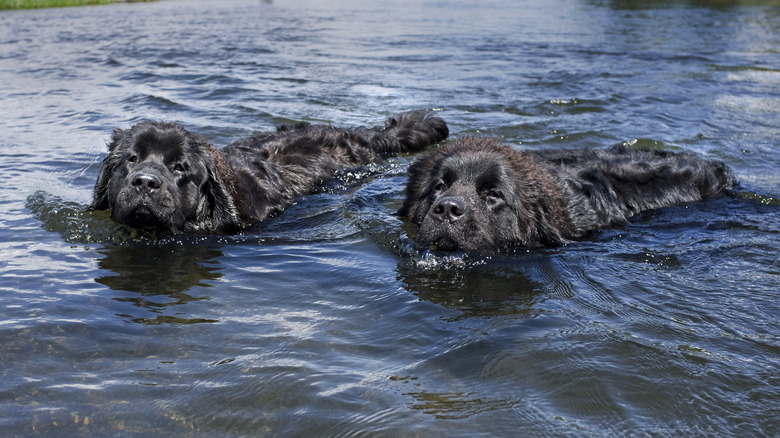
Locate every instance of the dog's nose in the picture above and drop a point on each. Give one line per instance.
(146, 182)
(449, 208)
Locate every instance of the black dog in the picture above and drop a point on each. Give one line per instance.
(480, 195)
(159, 175)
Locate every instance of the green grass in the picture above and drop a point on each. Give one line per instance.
(35, 4)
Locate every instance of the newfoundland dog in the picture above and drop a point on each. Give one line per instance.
(159, 175)
(479, 195)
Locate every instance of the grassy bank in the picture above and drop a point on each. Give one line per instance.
(34, 4)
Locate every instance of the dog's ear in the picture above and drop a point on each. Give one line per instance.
(100, 193)
(417, 185)
(116, 138)
(223, 213)
(218, 212)
(107, 168)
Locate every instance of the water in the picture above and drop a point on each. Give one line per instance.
(327, 320)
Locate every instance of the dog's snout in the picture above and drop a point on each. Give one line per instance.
(449, 208)
(147, 182)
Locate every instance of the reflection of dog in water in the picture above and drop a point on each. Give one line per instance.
(159, 269)
(481, 290)
(480, 195)
(159, 175)
(161, 279)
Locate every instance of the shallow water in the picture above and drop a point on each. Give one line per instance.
(327, 320)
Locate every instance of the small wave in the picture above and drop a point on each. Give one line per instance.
(157, 102)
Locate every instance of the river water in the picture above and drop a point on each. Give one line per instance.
(327, 320)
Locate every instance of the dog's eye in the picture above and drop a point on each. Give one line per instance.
(439, 187)
(494, 194)
(133, 158)
(179, 167)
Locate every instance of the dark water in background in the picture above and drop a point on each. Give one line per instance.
(327, 321)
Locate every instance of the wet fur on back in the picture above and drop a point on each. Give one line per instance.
(159, 175)
(478, 194)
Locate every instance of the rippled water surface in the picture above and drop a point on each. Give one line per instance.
(327, 320)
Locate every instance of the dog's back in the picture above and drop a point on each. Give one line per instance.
(270, 169)
(409, 132)
(405, 132)
(606, 187)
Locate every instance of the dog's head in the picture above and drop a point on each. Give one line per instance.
(479, 195)
(159, 175)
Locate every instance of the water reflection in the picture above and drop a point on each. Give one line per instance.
(457, 405)
(474, 290)
(162, 276)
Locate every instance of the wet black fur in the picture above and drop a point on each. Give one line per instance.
(480, 195)
(159, 175)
